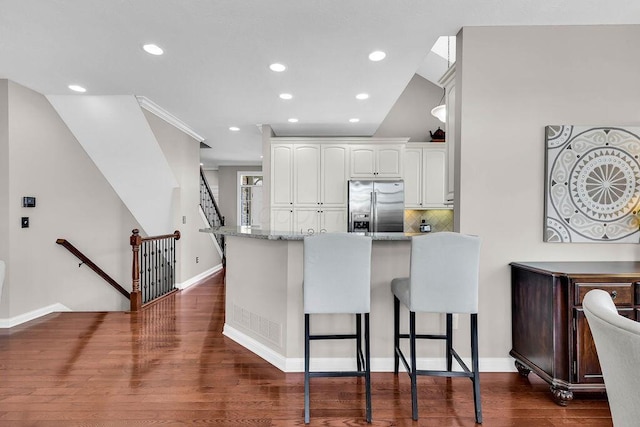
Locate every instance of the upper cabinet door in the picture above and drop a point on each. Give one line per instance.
(389, 161)
(376, 161)
(413, 177)
(306, 175)
(333, 175)
(434, 177)
(363, 161)
(281, 175)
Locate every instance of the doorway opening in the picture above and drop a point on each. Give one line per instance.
(249, 198)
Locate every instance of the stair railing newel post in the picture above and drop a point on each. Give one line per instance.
(136, 296)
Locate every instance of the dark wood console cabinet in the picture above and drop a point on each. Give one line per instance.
(550, 333)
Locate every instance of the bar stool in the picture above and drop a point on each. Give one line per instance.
(443, 279)
(337, 279)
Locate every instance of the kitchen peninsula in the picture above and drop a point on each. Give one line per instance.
(264, 313)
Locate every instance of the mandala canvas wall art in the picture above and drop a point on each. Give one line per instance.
(592, 184)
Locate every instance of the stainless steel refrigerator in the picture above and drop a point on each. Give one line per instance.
(376, 206)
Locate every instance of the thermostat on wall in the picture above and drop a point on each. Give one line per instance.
(28, 202)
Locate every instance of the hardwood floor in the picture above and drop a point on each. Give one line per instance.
(170, 365)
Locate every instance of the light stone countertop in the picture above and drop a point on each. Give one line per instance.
(260, 233)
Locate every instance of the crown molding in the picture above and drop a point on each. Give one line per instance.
(154, 108)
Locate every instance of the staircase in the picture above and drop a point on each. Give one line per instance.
(211, 211)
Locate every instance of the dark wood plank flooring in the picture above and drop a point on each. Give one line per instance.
(171, 365)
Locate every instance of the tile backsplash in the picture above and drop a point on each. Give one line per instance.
(439, 219)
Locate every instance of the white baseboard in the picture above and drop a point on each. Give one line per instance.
(378, 364)
(197, 278)
(31, 315)
(268, 354)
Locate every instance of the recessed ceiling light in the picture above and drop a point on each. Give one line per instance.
(286, 96)
(277, 67)
(201, 164)
(293, 120)
(77, 88)
(354, 120)
(377, 55)
(153, 49)
(362, 96)
(234, 129)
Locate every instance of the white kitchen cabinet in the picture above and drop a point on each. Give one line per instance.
(333, 220)
(317, 220)
(374, 161)
(413, 177)
(320, 175)
(334, 175)
(424, 176)
(306, 175)
(306, 220)
(281, 175)
(282, 219)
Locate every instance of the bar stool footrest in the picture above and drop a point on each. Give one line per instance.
(330, 374)
(445, 373)
(333, 337)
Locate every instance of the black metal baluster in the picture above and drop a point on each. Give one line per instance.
(157, 281)
(144, 279)
(173, 263)
(164, 266)
(149, 273)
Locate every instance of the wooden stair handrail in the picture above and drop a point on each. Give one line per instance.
(82, 257)
(175, 235)
(215, 205)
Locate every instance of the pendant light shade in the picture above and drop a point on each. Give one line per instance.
(440, 112)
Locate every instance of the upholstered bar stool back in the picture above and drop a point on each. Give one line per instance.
(443, 279)
(444, 274)
(337, 280)
(337, 273)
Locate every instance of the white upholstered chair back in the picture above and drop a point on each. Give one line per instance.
(337, 273)
(444, 273)
(617, 342)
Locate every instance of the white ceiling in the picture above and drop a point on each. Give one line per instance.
(215, 74)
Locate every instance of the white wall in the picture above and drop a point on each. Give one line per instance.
(4, 186)
(74, 202)
(411, 116)
(39, 156)
(115, 134)
(513, 81)
(196, 252)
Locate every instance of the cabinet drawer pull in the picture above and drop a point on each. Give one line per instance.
(613, 294)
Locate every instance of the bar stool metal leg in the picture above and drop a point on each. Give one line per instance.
(449, 340)
(475, 367)
(396, 334)
(306, 369)
(359, 341)
(367, 362)
(414, 367)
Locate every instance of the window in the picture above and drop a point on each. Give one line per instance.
(249, 198)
